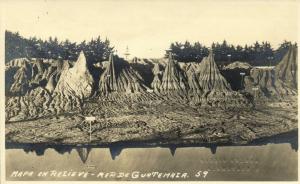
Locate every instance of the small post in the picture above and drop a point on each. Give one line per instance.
(229, 58)
(89, 120)
(242, 74)
(255, 89)
(127, 53)
(90, 131)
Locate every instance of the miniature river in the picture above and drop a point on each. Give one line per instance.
(273, 158)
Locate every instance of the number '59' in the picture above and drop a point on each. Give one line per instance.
(202, 174)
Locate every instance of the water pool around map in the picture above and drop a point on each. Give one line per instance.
(274, 158)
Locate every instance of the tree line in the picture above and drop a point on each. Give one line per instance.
(257, 54)
(17, 46)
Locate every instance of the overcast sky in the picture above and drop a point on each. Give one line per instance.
(148, 26)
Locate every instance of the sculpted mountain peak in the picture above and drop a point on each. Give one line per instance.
(173, 78)
(277, 81)
(210, 78)
(119, 76)
(77, 80)
(286, 70)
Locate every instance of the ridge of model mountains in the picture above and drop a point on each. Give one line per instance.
(40, 87)
(275, 82)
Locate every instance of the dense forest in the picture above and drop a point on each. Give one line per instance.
(258, 54)
(16, 47)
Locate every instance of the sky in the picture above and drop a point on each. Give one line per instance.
(148, 27)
